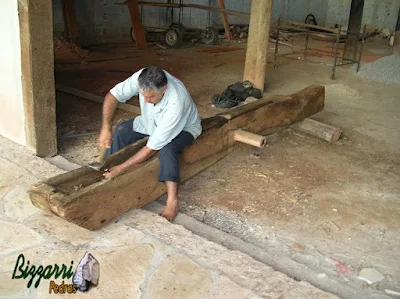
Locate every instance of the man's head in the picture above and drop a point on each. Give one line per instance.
(152, 84)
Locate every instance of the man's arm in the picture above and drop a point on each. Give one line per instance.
(169, 127)
(136, 159)
(121, 92)
(109, 106)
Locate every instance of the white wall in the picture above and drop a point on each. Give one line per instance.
(11, 104)
(381, 14)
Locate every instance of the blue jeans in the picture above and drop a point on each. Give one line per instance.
(168, 155)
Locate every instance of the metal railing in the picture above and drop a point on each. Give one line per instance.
(306, 30)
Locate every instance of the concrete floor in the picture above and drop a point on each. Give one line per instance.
(331, 209)
(339, 202)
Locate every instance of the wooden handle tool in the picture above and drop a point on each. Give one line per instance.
(97, 165)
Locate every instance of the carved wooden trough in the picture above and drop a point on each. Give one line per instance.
(83, 197)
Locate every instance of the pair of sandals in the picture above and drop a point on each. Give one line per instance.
(235, 94)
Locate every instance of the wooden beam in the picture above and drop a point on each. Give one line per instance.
(235, 13)
(83, 197)
(318, 129)
(71, 29)
(257, 43)
(228, 33)
(305, 25)
(95, 98)
(137, 25)
(355, 18)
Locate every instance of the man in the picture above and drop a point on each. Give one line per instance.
(169, 116)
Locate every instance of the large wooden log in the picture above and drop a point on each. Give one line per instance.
(83, 197)
(318, 129)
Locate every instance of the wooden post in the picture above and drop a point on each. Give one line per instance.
(71, 29)
(356, 12)
(37, 66)
(224, 16)
(257, 43)
(137, 25)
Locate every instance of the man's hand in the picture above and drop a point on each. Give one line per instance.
(105, 138)
(113, 171)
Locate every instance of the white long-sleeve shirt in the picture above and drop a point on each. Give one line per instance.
(176, 112)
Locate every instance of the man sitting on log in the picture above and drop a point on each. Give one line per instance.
(169, 117)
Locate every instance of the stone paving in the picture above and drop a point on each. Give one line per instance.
(141, 255)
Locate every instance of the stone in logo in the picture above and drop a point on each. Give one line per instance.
(87, 273)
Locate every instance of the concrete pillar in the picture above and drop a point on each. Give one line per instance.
(355, 18)
(37, 64)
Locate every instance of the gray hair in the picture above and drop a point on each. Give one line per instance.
(152, 78)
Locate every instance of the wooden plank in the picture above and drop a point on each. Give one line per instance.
(257, 43)
(228, 33)
(239, 14)
(332, 32)
(84, 198)
(93, 60)
(137, 25)
(355, 18)
(71, 29)
(305, 25)
(95, 98)
(279, 42)
(318, 129)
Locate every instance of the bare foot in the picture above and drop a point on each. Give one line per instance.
(171, 210)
